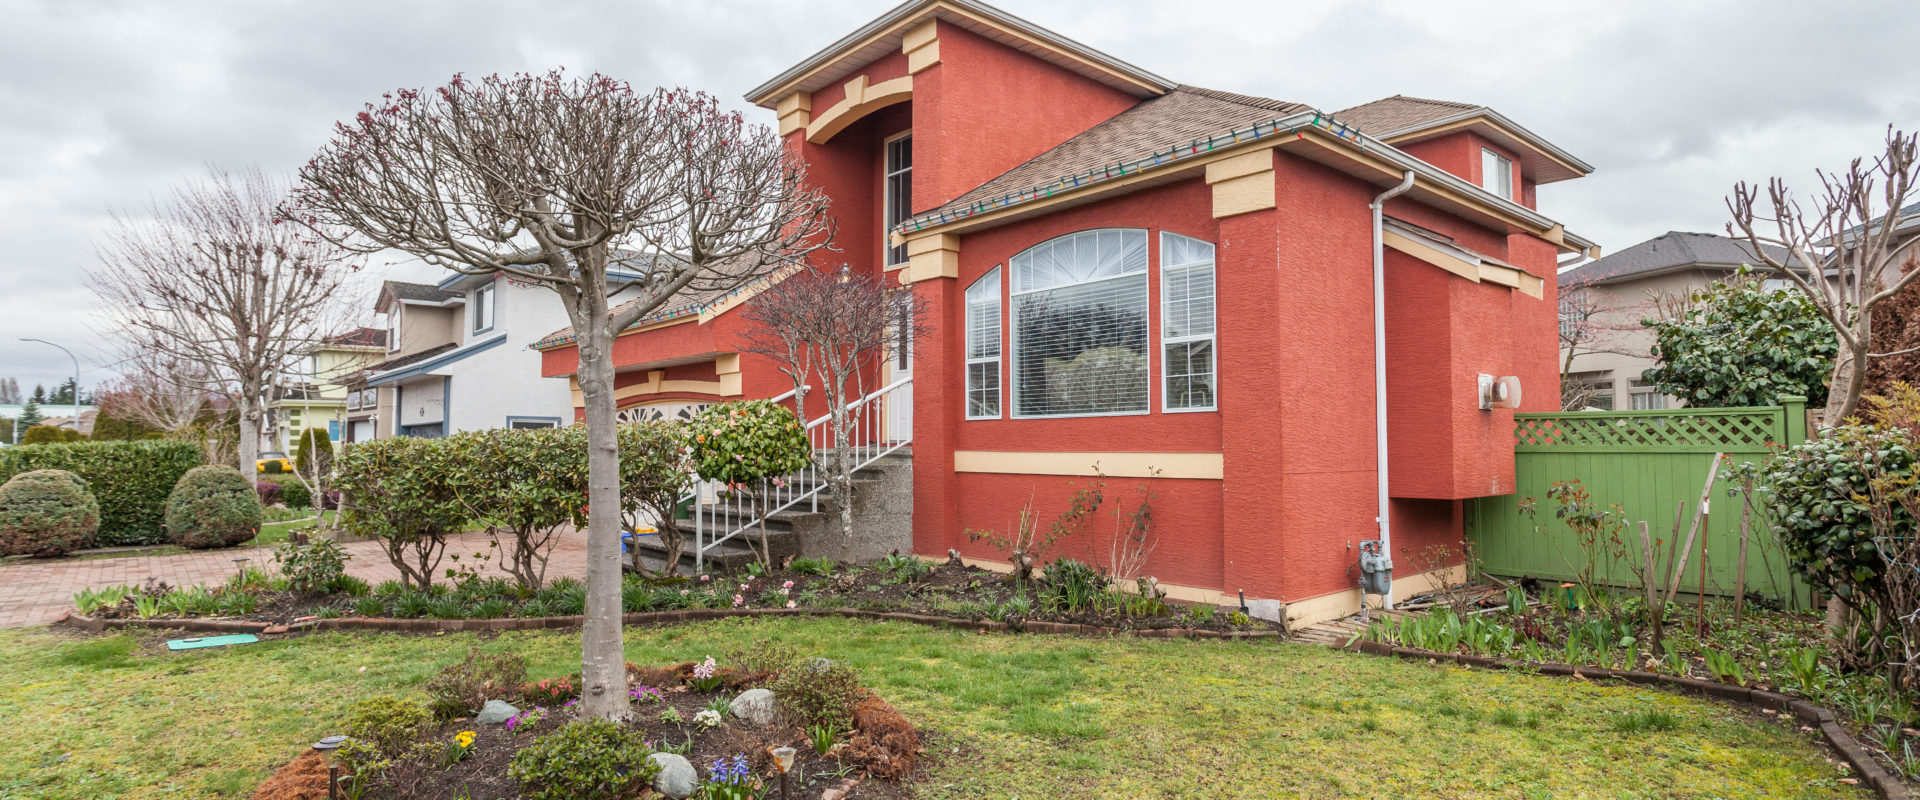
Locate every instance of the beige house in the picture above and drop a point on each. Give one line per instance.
(316, 395)
(1603, 347)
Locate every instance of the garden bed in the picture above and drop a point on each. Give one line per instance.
(705, 730)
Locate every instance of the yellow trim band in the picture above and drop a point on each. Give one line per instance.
(1196, 466)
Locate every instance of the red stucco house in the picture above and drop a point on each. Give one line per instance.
(1173, 283)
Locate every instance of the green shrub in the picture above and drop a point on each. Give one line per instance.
(46, 512)
(1070, 586)
(531, 483)
(1819, 502)
(387, 723)
(583, 760)
(314, 455)
(397, 490)
(1742, 344)
(746, 441)
(213, 506)
(130, 479)
(818, 692)
(47, 434)
(314, 568)
(295, 495)
(461, 688)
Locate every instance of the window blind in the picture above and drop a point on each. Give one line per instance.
(983, 347)
(1187, 322)
(1080, 325)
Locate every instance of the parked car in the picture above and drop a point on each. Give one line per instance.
(273, 462)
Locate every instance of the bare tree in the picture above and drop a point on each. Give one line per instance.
(168, 394)
(212, 280)
(1847, 229)
(546, 178)
(839, 325)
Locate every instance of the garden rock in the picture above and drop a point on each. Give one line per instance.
(677, 777)
(495, 712)
(754, 706)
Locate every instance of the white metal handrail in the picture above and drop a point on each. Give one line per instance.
(871, 438)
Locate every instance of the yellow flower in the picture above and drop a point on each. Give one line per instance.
(464, 738)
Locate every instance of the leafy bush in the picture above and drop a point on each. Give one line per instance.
(314, 455)
(463, 687)
(213, 506)
(818, 692)
(130, 479)
(295, 494)
(315, 568)
(1741, 344)
(583, 760)
(746, 441)
(46, 512)
(533, 483)
(397, 490)
(655, 472)
(387, 723)
(1819, 501)
(268, 491)
(47, 434)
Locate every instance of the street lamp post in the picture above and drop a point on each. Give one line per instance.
(76, 382)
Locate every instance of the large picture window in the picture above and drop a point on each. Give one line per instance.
(983, 347)
(1186, 322)
(1080, 325)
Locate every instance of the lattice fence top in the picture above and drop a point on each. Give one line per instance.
(1681, 431)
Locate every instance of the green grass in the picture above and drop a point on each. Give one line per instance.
(1025, 716)
(273, 534)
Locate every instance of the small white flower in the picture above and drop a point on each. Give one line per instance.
(709, 718)
(790, 604)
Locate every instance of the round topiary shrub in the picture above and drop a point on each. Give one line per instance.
(46, 512)
(1820, 500)
(593, 758)
(212, 506)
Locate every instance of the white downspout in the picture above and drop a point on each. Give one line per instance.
(1378, 206)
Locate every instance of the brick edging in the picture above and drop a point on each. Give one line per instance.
(97, 625)
(1836, 735)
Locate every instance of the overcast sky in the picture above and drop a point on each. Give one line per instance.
(104, 104)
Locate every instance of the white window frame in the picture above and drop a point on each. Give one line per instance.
(886, 197)
(1211, 337)
(1013, 336)
(1636, 389)
(1499, 179)
(393, 328)
(485, 296)
(991, 281)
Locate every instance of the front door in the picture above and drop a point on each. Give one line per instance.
(899, 403)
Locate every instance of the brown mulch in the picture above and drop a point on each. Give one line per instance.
(304, 778)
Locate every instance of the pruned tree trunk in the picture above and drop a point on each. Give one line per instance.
(603, 672)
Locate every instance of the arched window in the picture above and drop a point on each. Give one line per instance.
(983, 347)
(1080, 325)
(1186, 322)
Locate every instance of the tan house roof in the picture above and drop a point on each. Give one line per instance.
(1390, 114)
(1402, 120)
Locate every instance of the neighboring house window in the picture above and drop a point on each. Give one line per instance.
(1186, 322)
(1645, 397)
(1496, 173)
(1589, 391)
(1573, 306)
(1776, 284)
(983, 347)
(1080, 325)
(393, 328)
(899, 193)
(483, 309)
(530, 423)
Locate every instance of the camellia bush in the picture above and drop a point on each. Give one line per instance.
(530, 483)
(655, 473)
(213, 506)
(399, 491)
(132, 480)
(1820, 499)
(46, 512)
(1741, 344)
(742, 444)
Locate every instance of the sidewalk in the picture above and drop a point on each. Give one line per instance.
(34, 593)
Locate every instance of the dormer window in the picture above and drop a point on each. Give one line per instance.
(483, 308)
(899, 193)
(1496, 173)
(393, 328)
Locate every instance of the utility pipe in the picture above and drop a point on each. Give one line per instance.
(1378, 206)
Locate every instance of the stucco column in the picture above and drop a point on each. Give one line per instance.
(938, 399)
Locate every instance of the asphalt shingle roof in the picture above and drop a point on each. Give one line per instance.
(418, 292)
(1175, 118)
(1666, 251)
(1399, 112)
(360, 337)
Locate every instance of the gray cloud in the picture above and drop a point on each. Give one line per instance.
(107, 104)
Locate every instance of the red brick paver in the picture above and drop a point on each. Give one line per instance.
(35, 592)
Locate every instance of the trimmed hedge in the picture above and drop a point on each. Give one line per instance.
(214, 506)
(46, 512)
(131, 480)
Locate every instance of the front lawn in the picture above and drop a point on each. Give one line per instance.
(272, 534)
(1026, 716)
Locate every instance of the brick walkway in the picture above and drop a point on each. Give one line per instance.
(34, 593)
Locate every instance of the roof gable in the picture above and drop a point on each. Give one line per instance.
(1402, 120)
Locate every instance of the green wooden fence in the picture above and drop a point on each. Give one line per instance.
(1647, 462)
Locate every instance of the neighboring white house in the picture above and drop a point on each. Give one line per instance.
(462, 360)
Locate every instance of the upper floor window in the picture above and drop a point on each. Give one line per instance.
(1496, 173)
(899, 193)
(393, 328)
(1574, 312)
(483, 308)
(1186, 322)
(1080, 325)
(983, 347)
